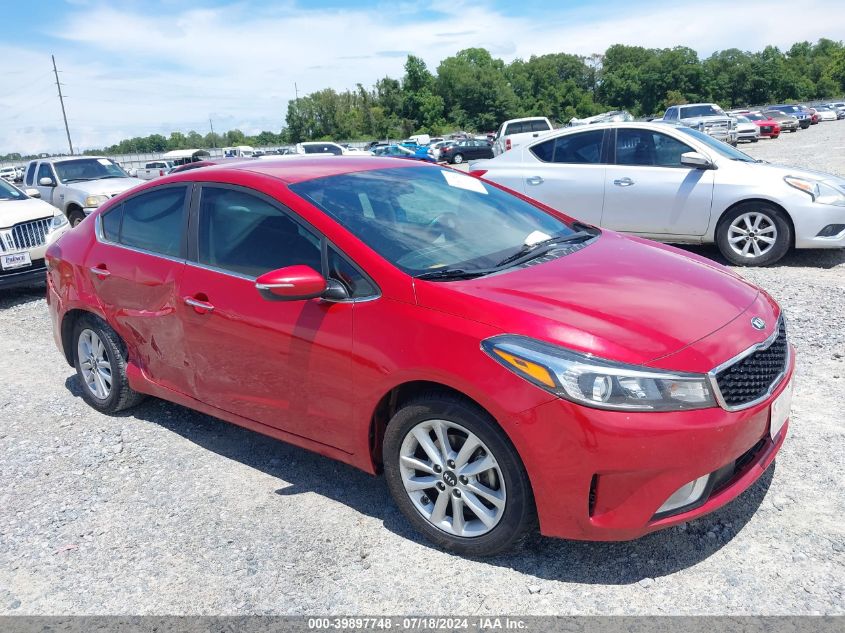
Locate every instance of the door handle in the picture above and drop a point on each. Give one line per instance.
(100, 271)
(534, 180)
(623, 182)
(199, 306)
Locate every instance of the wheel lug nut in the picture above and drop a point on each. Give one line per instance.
(463, 480)
(450, 463)
(456, 492)
(441, 485)
(437, 469)
(425, 501)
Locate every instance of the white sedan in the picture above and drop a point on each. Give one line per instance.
(676, 184)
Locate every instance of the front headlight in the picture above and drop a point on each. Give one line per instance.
(58, 221)
(95, 201)
(596, 382)
(818, 191)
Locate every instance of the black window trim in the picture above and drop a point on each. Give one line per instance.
(101, 238)
(612, 148)
(192, 258)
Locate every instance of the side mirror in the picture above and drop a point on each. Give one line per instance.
(696, 161)
(32, 193)
(292, 283)
(46, 182)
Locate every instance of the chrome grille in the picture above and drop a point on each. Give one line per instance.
(755, 375)
(25, 236)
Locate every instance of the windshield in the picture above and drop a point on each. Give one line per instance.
(755, 117)
(423, 219)
(722, 148)
(8, 192)
(788, 108)
(687, 112)
(88, 169)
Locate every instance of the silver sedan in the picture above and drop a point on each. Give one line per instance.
(676, 184)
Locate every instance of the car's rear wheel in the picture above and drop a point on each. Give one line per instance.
(100, 360)
(456, 477)
(754, 233)
(458, 159)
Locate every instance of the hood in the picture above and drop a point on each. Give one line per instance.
(107, 186)
(621, 298)
(15, 211)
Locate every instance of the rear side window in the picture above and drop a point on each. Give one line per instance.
(581, 148)
(154, 221)
(245, 234)
(111, 224)
(30, 173)
(539, 126)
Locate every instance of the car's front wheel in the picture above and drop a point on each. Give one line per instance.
(456, 477)
(458, 159)
(100, 360)
(754, 234)
(75, 216)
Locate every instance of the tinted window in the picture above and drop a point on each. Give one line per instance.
(154, 221)
(44, 171)
(111, 224)
(517, 128)
(581, 148)
(245, 234)
(30, 172)
(343, 271)
(539, 126)
(644, 147)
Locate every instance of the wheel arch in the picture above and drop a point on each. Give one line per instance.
(69, 321)
(393, 400)
(773, 203)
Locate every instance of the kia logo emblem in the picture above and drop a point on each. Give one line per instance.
(758, 324)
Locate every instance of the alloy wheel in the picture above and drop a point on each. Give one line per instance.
(452, 478)
(752, 234)
(94, 364)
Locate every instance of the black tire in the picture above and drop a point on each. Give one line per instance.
(120, 396)
(75, 215)
(783, 239)
(519, 515)
(457, 159)
(754, 140)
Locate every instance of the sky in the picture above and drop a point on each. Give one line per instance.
(138, 67)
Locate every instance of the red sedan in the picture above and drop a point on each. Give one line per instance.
(768, 126)
(495, 359)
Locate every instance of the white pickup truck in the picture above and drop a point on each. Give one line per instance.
(77, 184)
(518, 131)
(154, 169)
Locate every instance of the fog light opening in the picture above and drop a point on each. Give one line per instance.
(831, 230)
(685, 495)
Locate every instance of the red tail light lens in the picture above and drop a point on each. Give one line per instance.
(507, 144)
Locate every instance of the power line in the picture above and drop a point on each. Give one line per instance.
(62, 101)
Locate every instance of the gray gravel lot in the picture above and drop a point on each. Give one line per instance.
(167, 511)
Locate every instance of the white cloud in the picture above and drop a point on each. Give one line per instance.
(130, 73)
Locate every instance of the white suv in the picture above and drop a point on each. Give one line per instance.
(518, 131)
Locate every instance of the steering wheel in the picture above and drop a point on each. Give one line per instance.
(445, 224)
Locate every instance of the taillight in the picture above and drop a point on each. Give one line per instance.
(478, 173)
(161, 172)
(507, 144)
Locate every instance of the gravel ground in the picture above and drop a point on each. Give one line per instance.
(167, 511)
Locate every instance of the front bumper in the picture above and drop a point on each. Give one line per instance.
(603, 475)
(28, 276)
(817, 225)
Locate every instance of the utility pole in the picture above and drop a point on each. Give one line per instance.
(62, 101)
(213, 142)
(296, 90)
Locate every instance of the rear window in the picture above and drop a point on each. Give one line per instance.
(523, 127)
(701, 110)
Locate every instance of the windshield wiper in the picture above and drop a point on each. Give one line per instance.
(530, 251)
(445, 274)
(110, 176)
(77, 179)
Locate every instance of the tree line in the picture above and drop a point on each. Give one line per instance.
(474, 91)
